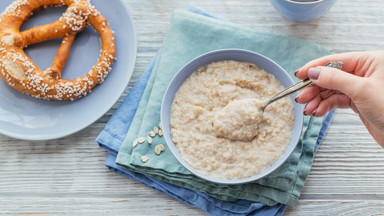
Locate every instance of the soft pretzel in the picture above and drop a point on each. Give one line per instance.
(18, 71)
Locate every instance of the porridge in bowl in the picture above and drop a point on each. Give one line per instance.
(217, 125)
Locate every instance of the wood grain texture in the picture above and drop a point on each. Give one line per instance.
(67, 176)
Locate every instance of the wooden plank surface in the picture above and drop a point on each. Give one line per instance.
(67, 176)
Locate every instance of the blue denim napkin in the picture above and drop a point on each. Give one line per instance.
(115, 131)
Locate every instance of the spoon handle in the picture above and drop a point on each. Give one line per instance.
(302, 84)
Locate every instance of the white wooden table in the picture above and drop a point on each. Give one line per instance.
(347, 177)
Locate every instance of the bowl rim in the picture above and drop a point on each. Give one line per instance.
(304, 3)
(167, 133)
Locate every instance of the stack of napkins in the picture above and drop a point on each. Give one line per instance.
(190, 35)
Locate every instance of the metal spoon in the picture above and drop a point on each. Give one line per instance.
(298, 86)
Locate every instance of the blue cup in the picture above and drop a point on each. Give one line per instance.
(302, 10)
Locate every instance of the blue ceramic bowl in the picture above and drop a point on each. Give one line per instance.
(302, 10)
(239, 55)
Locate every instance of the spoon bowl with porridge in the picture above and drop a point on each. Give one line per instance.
(239, 119)
(212, 121)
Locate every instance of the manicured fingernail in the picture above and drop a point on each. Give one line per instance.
(305, 111)
(296, 98)
(314, 112)
(313, 73)
(295, 73)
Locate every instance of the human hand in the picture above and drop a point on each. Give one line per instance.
(359, 86)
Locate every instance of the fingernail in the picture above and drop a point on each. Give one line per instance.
(313, 73)
(295, 73)
(314, 112)
(296, 98)
(305, 111)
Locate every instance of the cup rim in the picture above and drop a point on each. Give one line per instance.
(304, 3)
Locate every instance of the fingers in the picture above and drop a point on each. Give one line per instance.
(351, 61)
(307, 94)
(319, 101)
(334, 79)
(313, 96)
(311, 92)
(312, 106)
(319, 107)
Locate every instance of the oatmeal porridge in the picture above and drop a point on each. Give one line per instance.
(218, 127)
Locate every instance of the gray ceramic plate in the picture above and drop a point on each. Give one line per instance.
(24, 117)
(238, 55)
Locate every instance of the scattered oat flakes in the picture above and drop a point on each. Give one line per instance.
(144, 158)
(160, 132)
(141, 140)
(149, 140)
(159, 148)
(152, 134)
(135, 142)
(156, 130)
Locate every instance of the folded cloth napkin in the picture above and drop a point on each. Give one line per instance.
(114, 132)
(189, 36)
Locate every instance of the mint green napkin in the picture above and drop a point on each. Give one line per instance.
(189, 36)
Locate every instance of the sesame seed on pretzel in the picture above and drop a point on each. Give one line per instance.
(20, 72)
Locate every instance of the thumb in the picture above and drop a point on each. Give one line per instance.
(335, 79)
